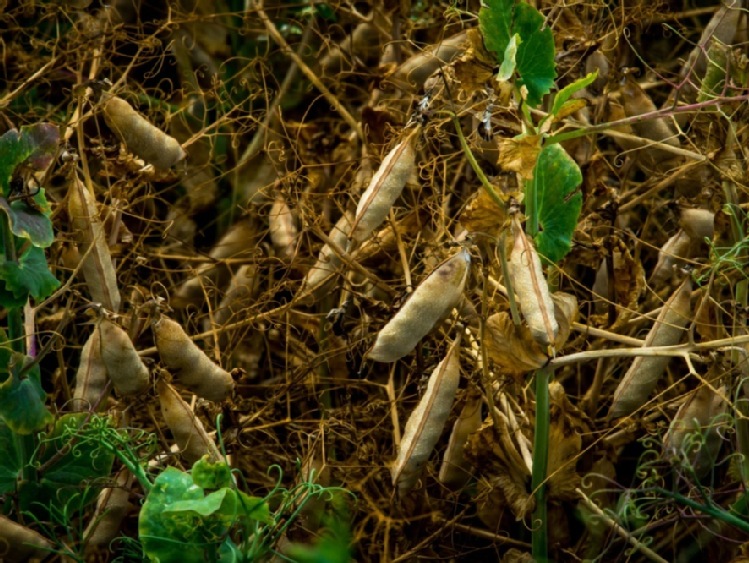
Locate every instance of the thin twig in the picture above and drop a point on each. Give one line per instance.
(645, 550)
(327, 94)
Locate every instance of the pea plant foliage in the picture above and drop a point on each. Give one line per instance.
(373, 281)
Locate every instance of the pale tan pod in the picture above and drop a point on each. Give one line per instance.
(19, 544)
(427, 421)
(111, 508)
(189, 433)
(127, 371)
(192, 367)
(645, 371)
(234, 244)
(698, 223)
(454, 471)
(672, 253)
(694, 433)
(637, 102)
(141, 137)
(433, 299)
(91, 377)
(96, 267)
(531, 288)
(282, 226)
(242, 289)
(385, 187)
(328, 261)
(415, 70)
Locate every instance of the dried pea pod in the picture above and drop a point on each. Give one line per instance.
(532, 289)
(427, 421)
(431, 301)
(91, 377)
(192, 367)
(127, 371)
(385, 187)
(189, 433)
(141, 137)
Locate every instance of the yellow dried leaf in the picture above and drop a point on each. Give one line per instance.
(519, 155)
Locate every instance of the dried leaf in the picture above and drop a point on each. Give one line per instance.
(519, 154)
(516, 352)
(97, 267)
(645, 371)
(431, 301)
(189, 433)
(427, 421)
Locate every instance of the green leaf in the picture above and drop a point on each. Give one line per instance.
(10, 462)
(74, 464)
(210, 475)
(30, 276)
(180, 523)
(495, 24)
(30, 223)
(568, 91)
(499, 20)
(334, 545)
(536, 66)
(554, 189)
(36, 144)
(14, 149)
(507, 68)
(21, 395)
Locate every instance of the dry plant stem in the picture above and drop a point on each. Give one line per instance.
(258, 141)
(5, 100)
(402, 253)
(679, 351)
(390, 390)
(588, 129)
(327, 94)
(475, 165)
(600, 333)
(645, 550)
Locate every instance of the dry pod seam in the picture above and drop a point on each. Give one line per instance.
(385, 187)
(141, 137)
(97, 267)
(427, 421)
(91, 377)
(431, 301)
(531, 289)
(645, 371)
(127, 371)
(454, 471)
(192, 367)
(189, 433)
(327, 261)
